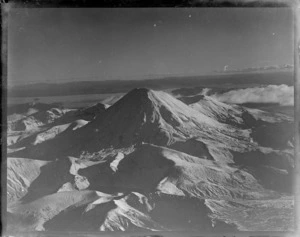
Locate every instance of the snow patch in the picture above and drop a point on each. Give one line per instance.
(114, 164)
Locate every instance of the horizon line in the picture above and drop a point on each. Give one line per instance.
(145, 77)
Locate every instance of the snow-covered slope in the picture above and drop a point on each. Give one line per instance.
(231, 114)
(152, 167)
(33, 215)
(154, 117)
(89, 113)
(55, 130)
(123, 217)
(33, 116)
(138, 163)
(92, 210)
(263, 124)
(268, 117)
(30, 108)
(37, 119)
(20, 175)
(30, 179)
(39, 126)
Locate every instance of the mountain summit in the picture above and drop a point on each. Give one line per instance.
(155, 117)
(147, 158)
(158, 118)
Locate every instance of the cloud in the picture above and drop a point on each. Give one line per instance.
(258, 68)
(281, 94)
(242, 3)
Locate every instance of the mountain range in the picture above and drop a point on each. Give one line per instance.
(152, 161)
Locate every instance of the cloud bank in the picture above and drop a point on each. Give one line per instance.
(281, 94)
(257, 69)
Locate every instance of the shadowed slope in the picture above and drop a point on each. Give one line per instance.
(147, 116)
(151, 168)
(31, 179)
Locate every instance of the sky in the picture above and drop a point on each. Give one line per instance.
(78, 44)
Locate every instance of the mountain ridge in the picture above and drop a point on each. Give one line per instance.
(137, 164)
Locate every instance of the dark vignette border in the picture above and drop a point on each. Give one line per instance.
(7, 4)
(151, 3)
(3, 108)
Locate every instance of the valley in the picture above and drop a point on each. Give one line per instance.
(149, 161)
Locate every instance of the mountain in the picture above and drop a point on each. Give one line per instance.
(36, 119)
(172, 172)
(30, 108)
(46, 123)
(31, 116)
(153, 162)
(232, 114)
(224, 113)
(153, 117)
(28, 179)
(263, 124)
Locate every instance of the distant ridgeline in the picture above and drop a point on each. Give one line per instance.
(118, 86)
